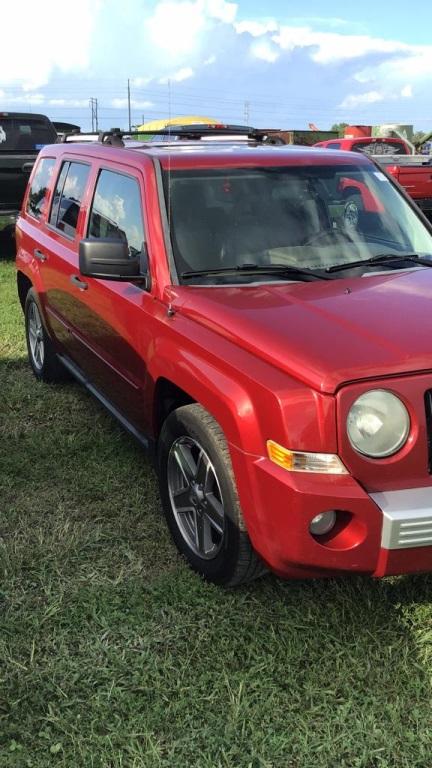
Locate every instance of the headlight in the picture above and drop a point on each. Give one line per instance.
(378, 424)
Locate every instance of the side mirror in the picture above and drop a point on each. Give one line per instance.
(109, 259)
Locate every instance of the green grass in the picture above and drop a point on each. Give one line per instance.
(114, 655)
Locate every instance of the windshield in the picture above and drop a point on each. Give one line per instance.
(25, 134)
(309, 217)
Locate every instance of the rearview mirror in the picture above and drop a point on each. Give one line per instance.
(109, 259)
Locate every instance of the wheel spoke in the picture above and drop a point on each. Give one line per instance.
(182, 500)
(201, 534)
(214, 513)
(203, 471)
(185, 462)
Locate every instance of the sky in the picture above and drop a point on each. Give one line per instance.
(269, 65)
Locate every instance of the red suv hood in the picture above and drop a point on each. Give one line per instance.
(326, 333)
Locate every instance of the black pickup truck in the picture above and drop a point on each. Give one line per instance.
(22, 135)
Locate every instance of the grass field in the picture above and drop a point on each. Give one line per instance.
(114, 655)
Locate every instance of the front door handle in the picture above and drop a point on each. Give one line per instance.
(78, 283)
(39, 255)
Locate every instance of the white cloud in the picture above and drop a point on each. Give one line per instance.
(265, 51)
(135, 104)
(256, 28)
(43, 46)
(210, 60)
(140, 82)
(372, 97)
(407, 92)
(356, 100)
(221, 10)
(330, 47)
(68, 102)
(175, 27)
(177, 77)
(31, 99)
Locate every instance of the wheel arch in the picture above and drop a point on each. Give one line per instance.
(23, 286)
(183, 378)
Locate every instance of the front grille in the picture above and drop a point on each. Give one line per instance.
(417, 533)
(428, 408)
(407, 517)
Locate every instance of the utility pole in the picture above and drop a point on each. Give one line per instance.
(94, 114)
(129, 106)
(246, 112)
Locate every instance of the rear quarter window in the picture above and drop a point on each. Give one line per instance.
(41, 182)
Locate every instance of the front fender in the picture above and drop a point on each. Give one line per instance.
(225, 399)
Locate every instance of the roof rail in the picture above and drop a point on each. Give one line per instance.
(115, 136)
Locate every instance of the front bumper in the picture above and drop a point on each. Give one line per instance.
(377, 534)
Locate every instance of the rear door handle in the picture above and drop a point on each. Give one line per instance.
(39, 255)
(78, 283)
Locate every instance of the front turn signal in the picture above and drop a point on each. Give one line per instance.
(301, 461)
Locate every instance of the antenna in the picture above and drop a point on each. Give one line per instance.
(169, 159)
(93, 103)
(246, 112)
(129, 106)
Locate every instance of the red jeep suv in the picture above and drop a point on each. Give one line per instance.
(272, 349)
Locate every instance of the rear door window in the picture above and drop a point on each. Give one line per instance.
(25, 134)
(116, 211)
(68, 197)
(39, 188)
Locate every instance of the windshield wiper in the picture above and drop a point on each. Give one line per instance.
(255, 269)
(382, 258)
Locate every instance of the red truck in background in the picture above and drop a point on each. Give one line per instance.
(371, 145)
(413, 172)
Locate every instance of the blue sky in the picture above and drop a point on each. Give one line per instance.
(275, 65)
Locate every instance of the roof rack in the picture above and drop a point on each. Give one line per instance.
(115, 136)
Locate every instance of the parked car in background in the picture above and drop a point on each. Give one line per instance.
(273, 352)
(413, 172)
(371, 145)
(22, 136)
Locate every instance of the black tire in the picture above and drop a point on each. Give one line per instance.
(228, 558)
(42, 357)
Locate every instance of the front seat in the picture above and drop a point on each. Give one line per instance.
(195, 241)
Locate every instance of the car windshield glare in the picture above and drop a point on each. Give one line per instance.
(309, 217)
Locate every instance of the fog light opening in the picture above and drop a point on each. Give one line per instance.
(323, 523)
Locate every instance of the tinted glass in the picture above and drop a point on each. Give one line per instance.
(57, 194)
(39, 188)
(116, 211)
(26, 134)
(308, 217)
(70, 195)
(333, 145)
(380, 148)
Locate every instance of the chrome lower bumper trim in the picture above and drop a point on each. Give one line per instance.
(407, 517)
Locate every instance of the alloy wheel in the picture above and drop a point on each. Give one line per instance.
(196, 497)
